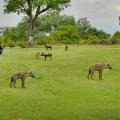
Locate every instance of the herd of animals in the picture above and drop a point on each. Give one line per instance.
(13, 46)
(22, 75)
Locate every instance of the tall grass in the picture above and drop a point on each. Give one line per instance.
(60, 89)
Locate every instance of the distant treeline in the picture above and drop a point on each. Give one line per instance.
(55, 29)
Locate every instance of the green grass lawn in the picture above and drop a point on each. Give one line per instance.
(60, 89)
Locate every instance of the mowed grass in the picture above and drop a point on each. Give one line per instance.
(60, 89)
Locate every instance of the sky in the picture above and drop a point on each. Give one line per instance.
(102, 14)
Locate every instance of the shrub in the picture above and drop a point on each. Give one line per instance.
(69, 42)
(115, 40)
(10, 42)
(82, 42)
(38, 42)
(93, 40)
(41, 41)
(21, 43)
(66, 40)
(53, 42)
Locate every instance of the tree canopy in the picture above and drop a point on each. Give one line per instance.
(83, 26)
(65, 34)
(50, 22)
(29, 7)
(52, 28)
(116, 38)
(40, 6)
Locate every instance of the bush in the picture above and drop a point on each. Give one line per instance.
(16, 43)
(21, 43)
(41, 41)
(38, 42)
(63, 41)
(53, 42)
(105, 42)
(10, 42)
(1, 39)
(67, 41)
(93, 40)
(108, 42)
(82, 42)
(115, 40)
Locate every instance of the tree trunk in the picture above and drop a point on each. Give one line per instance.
(32, 22)
(31, 33)
(30, 41)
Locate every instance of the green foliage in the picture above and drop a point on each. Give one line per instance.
(83, 26)
(61, 34)
(54, 42)
(85, 30)
(49, 22)
(21, 43)
(1, 39)
(12, 33)
(93, 31)
(82, 42)
(39, 6)
(93, 40)
(66, 41)
(14, 37)
(24, 6)
(63, 26)
(99, 33)
(108, 42)
(69, 42)
(5, 31)
(38, 42)
(41, 41)
(116, 38)
(10, 42)
(18, 43)
(65, 34)
(22, 28)
(90, 40)
(103, 35)
(117, 34)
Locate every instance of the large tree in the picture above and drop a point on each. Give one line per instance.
(30, 7)
(65, 34)
(50, 22)
(83, 26)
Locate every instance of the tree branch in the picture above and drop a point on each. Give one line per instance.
(29, 12)
(39, 12)
(48, 7)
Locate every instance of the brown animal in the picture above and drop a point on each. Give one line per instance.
(4, 46)
(46, 55)
(98, 67)
(23, 46)
(48, 47)
(66, 48)
(37, 54)
(22, 76)
(11, 46)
